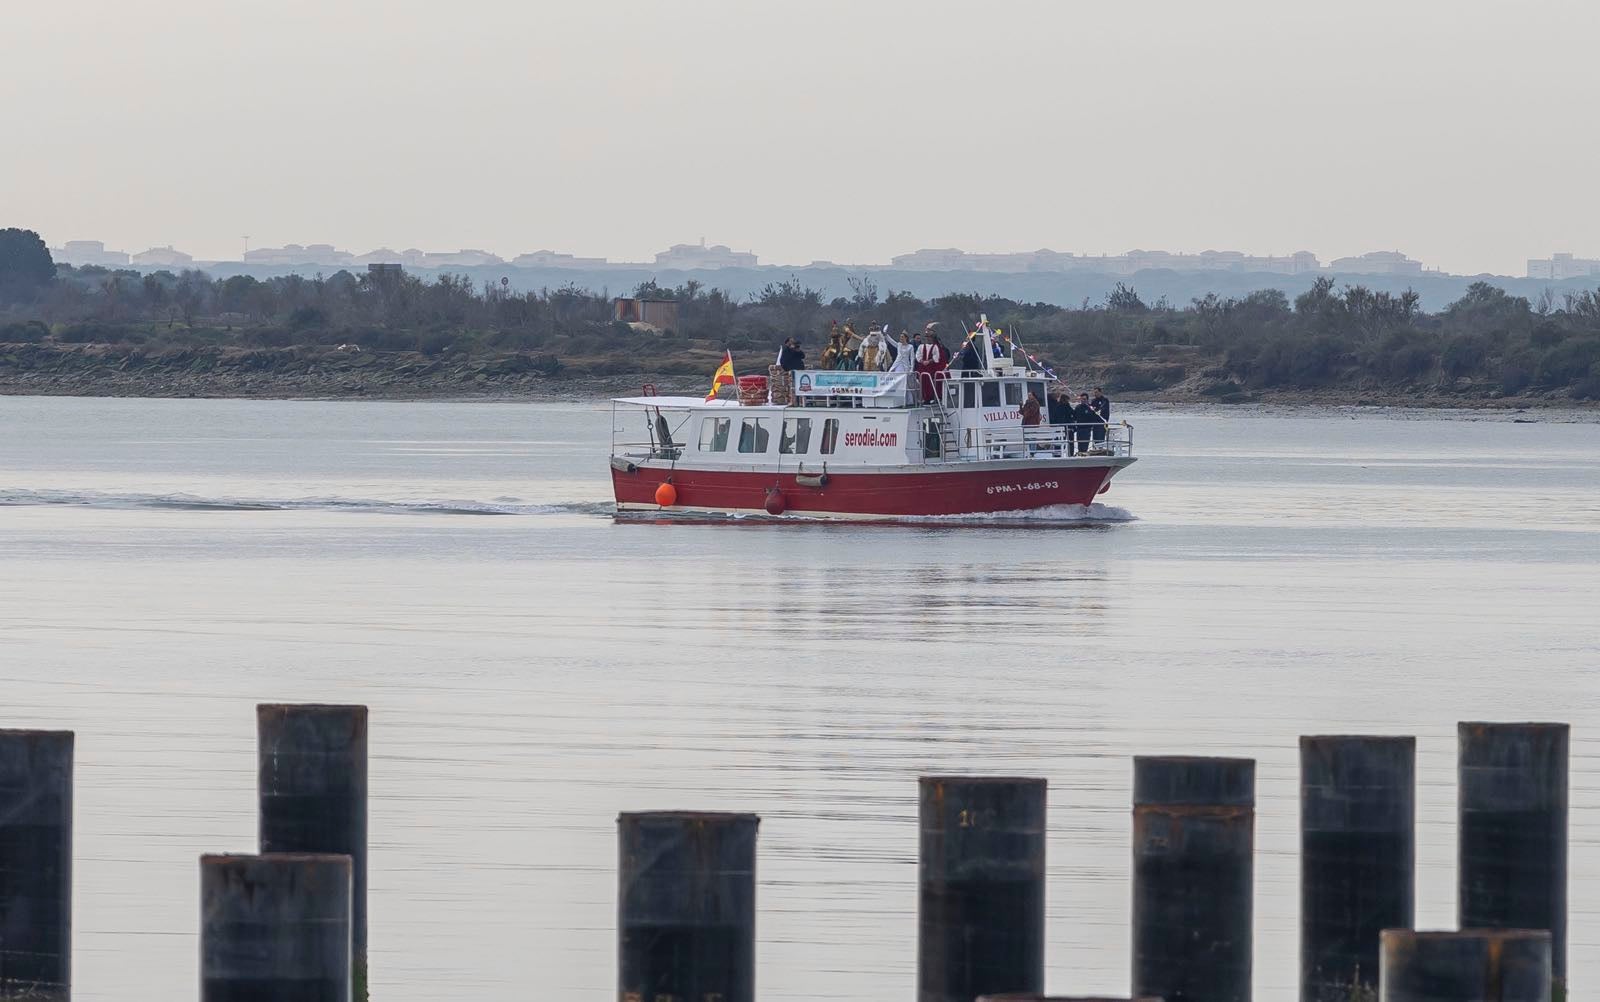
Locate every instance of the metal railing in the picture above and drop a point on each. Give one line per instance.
(1049, 441)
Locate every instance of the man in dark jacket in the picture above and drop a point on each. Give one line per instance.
(1083, 420)
(968, 360)
(790, 357)
(1059, 410)
(1102, 409)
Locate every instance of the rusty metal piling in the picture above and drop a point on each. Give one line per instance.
(1357, 859)
(980, 908)
(1193, 877)
(1512, 831)
(1477, 965)
(275, 928)
(686, 906)
(36, 865)
(312, 788)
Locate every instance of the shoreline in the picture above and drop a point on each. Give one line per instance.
(590, 389)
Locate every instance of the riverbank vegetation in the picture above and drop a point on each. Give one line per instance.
(65, 329)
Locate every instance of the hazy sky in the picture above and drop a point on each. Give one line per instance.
(1460, 132)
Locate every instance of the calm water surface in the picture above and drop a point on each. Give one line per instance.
(534, 667)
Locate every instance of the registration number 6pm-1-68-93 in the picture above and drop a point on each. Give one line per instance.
(1037, 485)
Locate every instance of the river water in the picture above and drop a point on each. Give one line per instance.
(534, 667)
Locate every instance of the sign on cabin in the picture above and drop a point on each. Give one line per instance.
(846, 383)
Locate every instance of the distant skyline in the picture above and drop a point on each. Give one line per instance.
(855, 133)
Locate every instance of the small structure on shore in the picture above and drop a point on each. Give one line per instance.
(661, 314)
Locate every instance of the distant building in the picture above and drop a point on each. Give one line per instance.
(1377, 263)
(86, 252)
(952, 259)
(468, 257)
(162, 257)
(658, 313)
(686, 257)
(290, 254)
(1562, 266)
(385, 271)
(550, 259)
(932, 259)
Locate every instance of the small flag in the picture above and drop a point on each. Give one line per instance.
(723, 377)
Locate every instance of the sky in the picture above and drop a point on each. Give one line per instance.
(1459, 132)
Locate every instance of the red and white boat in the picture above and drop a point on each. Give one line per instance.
(860, 445)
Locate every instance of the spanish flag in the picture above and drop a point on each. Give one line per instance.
(724, 376)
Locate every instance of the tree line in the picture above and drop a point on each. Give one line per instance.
(1487, 343)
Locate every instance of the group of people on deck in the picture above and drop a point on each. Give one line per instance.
(1085, 418)
(926, 354)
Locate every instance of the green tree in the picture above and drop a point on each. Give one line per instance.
(25, 265)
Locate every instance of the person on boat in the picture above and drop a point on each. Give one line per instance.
(1030, 410)
(1059, 411)
(835, 349)
(1060, 406)
(873, 350)
(905, 354)
(932, 360)
(967, 359)
(1102, 408)
(1083, 421)
(790, 357)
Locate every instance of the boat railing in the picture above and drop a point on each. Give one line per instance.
(1054, 441)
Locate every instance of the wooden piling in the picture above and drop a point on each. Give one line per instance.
(686, 913)
(1475, 965)
(275, 928)
(1512, 831)
(312, 786)
(1193, 878)
(980, 914)
(36, 865)
(1357, 859)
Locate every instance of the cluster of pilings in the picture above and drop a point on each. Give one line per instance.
(686, 910)
(290, 922)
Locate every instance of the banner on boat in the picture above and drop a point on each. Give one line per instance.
(845, 383)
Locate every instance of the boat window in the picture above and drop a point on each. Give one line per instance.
(1014, 394)
(753, 435)
(932, 447)
(1037, 389)
(796, 438)
(714, 434)
(969, 394)
(991, 394)
(830, 436)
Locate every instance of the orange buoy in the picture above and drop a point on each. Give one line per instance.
(666, 495)
(775, 501)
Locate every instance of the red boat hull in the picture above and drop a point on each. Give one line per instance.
(955, 489)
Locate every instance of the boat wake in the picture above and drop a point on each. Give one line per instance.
(189, 502)
(1061, 514)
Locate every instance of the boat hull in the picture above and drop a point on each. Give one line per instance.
(972, 488)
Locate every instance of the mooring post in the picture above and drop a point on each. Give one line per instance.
(36, 865)
(1357, 859)
(980, 908)
(1478, 965)
(275, 928)
(1193, 877)
(686, 906)
(312, 761)
(1512, 831)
